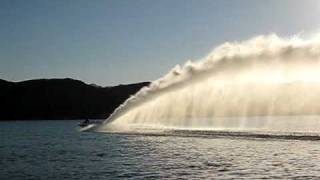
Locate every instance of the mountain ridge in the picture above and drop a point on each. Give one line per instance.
(54, 99)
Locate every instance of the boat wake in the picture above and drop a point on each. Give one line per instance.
(263, 84)
(220, 134)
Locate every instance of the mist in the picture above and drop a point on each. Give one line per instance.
(263, 76)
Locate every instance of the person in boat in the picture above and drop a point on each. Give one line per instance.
(84, 123)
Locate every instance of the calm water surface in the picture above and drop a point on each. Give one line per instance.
(58, 150)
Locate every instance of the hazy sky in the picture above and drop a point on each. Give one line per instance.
(125, 41)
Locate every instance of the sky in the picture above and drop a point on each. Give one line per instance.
(110, 42)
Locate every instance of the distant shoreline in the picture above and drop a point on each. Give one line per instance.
(60, 99)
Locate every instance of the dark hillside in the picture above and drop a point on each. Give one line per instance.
(60, 99)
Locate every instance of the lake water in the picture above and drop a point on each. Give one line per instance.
(58, 150)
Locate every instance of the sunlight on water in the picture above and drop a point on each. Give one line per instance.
(56, 150)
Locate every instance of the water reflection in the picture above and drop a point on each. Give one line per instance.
(56, 150)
